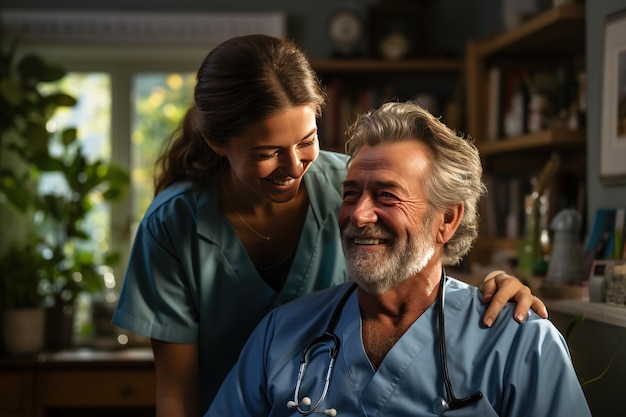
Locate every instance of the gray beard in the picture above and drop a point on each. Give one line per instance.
(379, 273)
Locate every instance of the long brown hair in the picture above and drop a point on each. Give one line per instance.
(242, 81)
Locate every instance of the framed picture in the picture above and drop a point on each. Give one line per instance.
(613, 128)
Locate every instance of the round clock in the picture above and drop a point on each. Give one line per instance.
(345, 29)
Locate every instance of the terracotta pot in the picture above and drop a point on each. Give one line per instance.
(23, 330)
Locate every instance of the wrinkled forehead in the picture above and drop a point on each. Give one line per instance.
(407, 158)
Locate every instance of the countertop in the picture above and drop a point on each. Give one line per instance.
(129, 357)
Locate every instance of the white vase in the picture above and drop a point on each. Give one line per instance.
(23, 330)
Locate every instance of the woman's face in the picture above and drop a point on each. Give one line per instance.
(270, 157)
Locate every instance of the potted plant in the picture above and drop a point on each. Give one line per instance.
(73, 263)
(67, 264)
(21, 299)
(23, 135)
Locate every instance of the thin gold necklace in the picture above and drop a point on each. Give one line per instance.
(241, 217)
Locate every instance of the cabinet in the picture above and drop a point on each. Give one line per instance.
(595, 336)
(16, 393)
(68, 384)
(552, 42)
(354, 86)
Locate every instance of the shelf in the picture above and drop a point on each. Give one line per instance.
(560, 30)
(376, 65)
(599, 312)
(555, 138)
(357, 85)
(552, 40)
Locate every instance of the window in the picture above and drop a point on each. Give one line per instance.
(92, 117)
(158, 103)
(133, 75)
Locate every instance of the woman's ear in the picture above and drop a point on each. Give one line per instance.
(451, 220)
(215, 147)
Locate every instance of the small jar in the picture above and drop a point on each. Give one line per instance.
(615, 276)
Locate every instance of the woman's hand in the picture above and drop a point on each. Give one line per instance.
(498, 288)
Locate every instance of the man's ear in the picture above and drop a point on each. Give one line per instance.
(451, 220)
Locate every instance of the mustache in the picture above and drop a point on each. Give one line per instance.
(370, 231)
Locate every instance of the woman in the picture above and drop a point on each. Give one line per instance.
(244, 219)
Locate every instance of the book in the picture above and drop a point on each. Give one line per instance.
(494, 104)
(605, 239)
(618, 239)
(332, 116)
(488, 214)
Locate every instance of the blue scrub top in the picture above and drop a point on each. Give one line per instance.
(522, 369)
(189, 279)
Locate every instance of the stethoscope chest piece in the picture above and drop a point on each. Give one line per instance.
(440, 406)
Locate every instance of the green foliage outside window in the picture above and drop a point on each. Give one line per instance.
(161, 100)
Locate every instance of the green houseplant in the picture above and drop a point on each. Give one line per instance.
(74, 265)
(21, 270)
(25, 112)
(67, 263)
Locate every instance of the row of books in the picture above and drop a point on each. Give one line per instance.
(342, 108)
(605, 239)
(348, 98)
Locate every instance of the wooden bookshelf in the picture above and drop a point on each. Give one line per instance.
(558, 30)
(357, 85)
(377, 65)
(550, 41)
(548, 139)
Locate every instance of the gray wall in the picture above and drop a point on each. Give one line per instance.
(599, 195)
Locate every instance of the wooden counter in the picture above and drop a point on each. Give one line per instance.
(78, 383)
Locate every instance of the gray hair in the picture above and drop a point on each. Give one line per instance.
(456, 168)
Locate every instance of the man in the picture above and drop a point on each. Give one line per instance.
(409, 208)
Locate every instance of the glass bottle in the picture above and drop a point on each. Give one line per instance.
(530, 259)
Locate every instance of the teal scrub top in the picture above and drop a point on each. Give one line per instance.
(189, 279)
(523, 370)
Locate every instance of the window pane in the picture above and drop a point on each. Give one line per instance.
(160, 101)
(91, 116)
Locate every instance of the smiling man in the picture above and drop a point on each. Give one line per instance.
(403, 339)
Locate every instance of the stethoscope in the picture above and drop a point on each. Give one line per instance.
(440, 404)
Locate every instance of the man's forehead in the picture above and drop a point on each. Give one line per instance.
(410, 155)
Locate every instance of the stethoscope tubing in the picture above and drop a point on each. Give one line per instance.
(440, 405)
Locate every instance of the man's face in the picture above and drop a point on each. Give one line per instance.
(386, 222)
